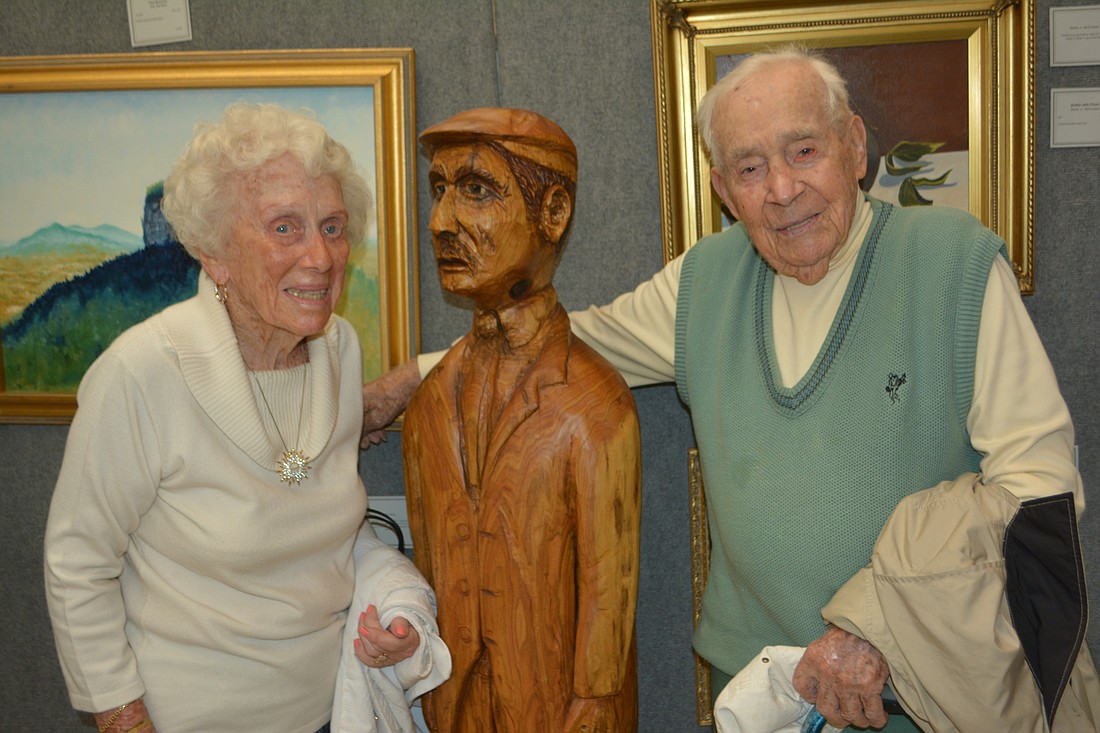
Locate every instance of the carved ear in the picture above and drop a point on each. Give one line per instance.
(554, 213)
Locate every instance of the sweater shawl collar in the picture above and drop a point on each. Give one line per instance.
(214, 371)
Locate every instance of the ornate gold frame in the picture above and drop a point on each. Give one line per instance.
(688, 36)
(388, 71)
(700, 566)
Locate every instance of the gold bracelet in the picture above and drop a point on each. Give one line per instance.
(142, 725)
(114, 716)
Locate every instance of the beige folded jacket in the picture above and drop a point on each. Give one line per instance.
(977, 642)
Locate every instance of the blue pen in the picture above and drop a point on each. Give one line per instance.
(814, 723)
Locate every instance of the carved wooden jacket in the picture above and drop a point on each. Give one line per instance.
(536, 574)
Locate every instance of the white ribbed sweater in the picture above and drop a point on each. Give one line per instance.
(168, 514)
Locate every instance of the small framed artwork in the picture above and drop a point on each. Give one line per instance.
(945, 87)
(88, 140)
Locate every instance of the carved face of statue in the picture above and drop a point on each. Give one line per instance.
(487, 247)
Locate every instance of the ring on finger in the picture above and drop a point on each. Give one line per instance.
(382, 658)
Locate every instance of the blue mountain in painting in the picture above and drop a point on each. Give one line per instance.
(61, 239)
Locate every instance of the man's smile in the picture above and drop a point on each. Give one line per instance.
(798, 227)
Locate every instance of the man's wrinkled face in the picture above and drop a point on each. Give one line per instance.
(486, 246)
(788, 174)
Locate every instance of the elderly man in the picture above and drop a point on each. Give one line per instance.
(522, 453)
(840, 356)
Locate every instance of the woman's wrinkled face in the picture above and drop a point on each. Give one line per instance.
(284, 264)
(786, 172)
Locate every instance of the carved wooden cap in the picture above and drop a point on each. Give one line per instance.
(524, 133)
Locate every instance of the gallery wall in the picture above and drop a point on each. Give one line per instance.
(588, 65)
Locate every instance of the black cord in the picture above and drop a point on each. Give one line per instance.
(377, 518)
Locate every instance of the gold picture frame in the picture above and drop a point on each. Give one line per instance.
(995, 100)
(366, 94)
(700, 567)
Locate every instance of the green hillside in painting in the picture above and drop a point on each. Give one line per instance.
(361, 305)
(62, 306)
(56, 337)
(54, 254)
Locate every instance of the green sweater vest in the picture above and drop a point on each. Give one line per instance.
(799, 481)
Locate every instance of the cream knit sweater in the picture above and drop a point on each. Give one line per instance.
(178, 565)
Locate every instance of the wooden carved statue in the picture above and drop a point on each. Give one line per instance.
(521, 453)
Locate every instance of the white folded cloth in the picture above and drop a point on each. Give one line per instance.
(761, 697)
(372, 700)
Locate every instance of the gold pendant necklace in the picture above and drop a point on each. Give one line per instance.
(293, 465)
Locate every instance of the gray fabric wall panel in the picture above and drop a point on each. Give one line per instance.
(30, 677)
(588, 65)
(1067, 282)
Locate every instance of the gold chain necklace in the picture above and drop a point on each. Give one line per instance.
(293, 465)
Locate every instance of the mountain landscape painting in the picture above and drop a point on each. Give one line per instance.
(73, 290)
(84, 250)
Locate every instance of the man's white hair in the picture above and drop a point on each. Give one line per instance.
(834, 91)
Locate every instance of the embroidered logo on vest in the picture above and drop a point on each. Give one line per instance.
(893, 386)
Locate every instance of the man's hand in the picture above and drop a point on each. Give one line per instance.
(843, 675)
(384, 399)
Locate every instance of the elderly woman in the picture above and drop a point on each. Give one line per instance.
(199, 548)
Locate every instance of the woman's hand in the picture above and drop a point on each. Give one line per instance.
(129, 718)
(378, 647)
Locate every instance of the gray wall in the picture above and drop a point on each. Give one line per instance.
(588, 65)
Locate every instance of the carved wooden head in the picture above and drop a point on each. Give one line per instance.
(503, 183)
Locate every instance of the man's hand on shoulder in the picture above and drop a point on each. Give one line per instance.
(384, 399)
